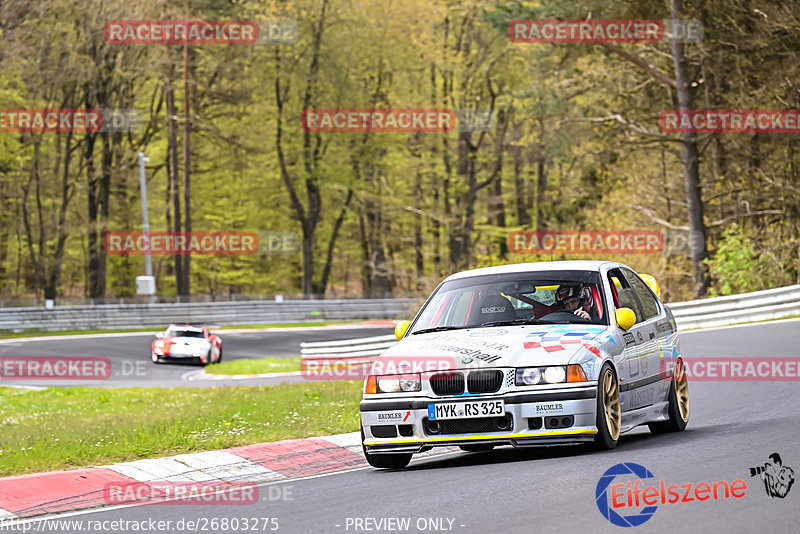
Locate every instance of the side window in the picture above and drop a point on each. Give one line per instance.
(650, 307)
(625, 293)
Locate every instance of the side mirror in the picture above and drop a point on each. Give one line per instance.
(401, 328)
(650, 280)
(157, 335)
(626, 318)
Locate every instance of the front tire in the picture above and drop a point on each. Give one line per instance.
(609, 414)
(678, 409)
(385, 461)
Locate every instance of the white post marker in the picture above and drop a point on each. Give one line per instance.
(145, 285)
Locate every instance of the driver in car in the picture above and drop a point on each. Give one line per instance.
(570, 298)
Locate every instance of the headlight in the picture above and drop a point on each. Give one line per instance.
(556, 374)
(529, 376)
(398, 383)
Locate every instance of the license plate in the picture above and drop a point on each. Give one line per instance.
(465, 410)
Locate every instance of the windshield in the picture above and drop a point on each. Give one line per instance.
(176, 332)
(515, 298)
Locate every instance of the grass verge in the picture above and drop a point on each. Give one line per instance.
(254, 367)
(59, 428)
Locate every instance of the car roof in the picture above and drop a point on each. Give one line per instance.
(538, 266)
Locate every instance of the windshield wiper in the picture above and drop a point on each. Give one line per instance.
(438, 329)
(517, 321)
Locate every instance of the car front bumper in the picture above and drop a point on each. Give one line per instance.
(529, 420)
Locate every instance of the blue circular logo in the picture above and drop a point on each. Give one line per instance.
(601, 495)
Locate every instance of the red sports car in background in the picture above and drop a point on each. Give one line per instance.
(187, 342)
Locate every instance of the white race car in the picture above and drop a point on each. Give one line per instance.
(187, 342)
(545, 353)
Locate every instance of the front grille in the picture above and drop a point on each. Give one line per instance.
(447, 383)
(477, 425)
(484, 381)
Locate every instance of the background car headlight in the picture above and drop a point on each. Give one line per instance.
(398, 383)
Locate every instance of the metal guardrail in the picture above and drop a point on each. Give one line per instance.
(110, 316)
(365, 349)
(747, 307)
(705, 313)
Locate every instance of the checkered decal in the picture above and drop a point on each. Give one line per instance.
(555, 340)
(510, 378)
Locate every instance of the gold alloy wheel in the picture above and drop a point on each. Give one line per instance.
(611, 404)
(682, 391)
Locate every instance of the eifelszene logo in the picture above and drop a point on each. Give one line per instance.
(629, 494)
(777, 478)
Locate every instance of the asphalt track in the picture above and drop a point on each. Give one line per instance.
(733, 426)
(130, 354)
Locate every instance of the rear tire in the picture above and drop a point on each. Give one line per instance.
(385, 461)
(609, 415)
(220, 354)
(678, 409)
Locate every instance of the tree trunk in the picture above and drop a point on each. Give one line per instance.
(326, 270)
(172, 169)
(698, 234)
(93, 209)
(520, 189)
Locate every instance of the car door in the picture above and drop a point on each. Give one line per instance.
(651, 386)
(654, 318)
(637, 389)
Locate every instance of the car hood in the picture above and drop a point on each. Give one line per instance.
(191, 343)
(506, 346)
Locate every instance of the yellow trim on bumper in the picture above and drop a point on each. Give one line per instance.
(473, 438)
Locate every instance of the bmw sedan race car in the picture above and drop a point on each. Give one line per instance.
(186, 342)
(532, 354)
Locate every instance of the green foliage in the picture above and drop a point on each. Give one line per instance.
(736, 265)
(582, 148)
